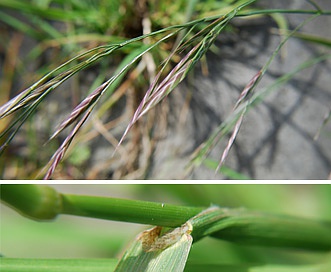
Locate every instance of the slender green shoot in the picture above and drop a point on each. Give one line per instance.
(239, 225)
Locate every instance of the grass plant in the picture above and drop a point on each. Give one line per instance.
(162, 56)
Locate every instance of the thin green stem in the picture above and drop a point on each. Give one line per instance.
(290, 11)
(238, 225)
(125, 210)
(56, 265)
(257, 228)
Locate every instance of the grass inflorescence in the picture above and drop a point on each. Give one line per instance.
(175, 49)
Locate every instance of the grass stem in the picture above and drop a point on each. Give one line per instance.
(237, 225)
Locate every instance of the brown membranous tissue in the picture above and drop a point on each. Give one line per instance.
(152, 241)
